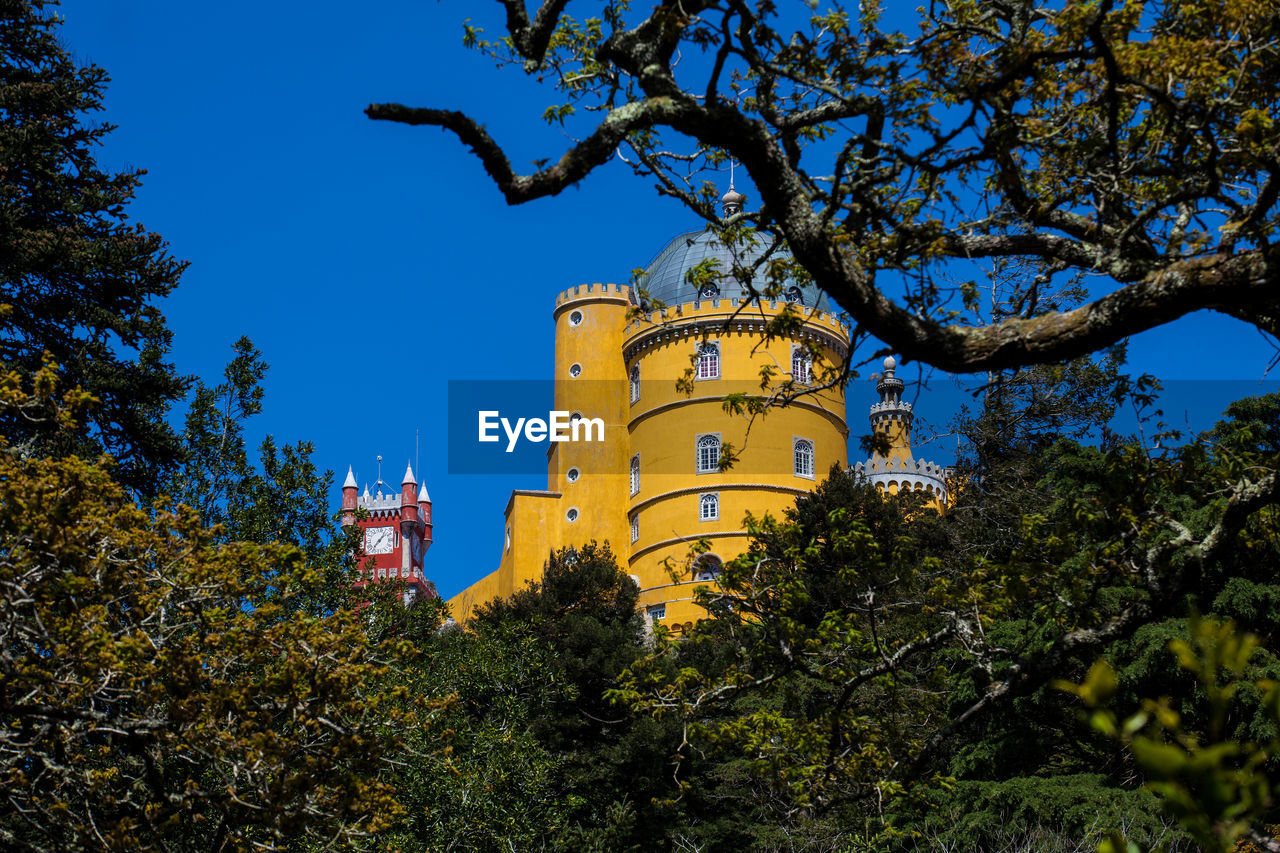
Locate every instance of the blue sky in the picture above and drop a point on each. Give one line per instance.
(372, 263)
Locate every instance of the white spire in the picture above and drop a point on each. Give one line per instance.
(423, 497)
(350, 482)
(408, 475)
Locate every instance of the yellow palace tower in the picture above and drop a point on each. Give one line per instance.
(653, 487)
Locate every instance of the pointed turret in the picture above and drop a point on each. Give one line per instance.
(424, 516)
(349, 498)
(408, 500)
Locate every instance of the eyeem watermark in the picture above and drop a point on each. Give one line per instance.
(559, 426)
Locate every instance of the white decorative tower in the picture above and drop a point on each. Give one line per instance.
(898, 470)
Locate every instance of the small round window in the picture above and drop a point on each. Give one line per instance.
(572, 514)
(575, 319)
(572, 475)
(575, 370)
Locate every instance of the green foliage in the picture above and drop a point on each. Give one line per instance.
(534, 756)
(279, 498)
(78, 282)
(161, 690)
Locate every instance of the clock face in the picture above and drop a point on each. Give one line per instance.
(379, 540)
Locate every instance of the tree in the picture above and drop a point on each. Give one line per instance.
(280, 498)
(158, 690)
(879, 668)
(904, 161)
(536, 757)
(77, 280)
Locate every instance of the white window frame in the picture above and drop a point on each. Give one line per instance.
(656, 612)
(707, 363)
(635, 383)
(712, 500)
(635, 527)
(796, 442)
(801, 365)
(706, 575)
(697, 453)
(635, 475)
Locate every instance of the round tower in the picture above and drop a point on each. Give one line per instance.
(718, 340)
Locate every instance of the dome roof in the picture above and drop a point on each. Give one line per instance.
(665, 279)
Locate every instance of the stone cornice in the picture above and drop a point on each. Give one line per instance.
(678, 328)
(717, 487)
(533, 493)
(676, 540)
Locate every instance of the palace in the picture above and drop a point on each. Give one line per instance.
(654, 487)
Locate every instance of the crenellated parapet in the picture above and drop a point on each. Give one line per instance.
(899, 475)
(594, 291)
(730, 316)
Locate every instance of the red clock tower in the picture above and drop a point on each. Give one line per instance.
(397, 533)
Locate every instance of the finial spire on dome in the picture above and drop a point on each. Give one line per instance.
(732, 201)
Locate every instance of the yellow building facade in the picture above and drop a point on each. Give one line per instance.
(653, 487)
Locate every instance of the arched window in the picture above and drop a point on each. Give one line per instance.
(708, 360)
(804, 457)
(794, 294)
(707, 567)
(708, 507)
(635, 383)
(708, 453)
(635, 531)
(801, 365)
(635, 473)
(710, 290)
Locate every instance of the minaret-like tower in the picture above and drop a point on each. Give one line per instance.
(397, 532)
(898, 470)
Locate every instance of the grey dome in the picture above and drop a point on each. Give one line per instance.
(665, 278)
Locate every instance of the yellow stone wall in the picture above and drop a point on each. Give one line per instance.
(662, 426)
